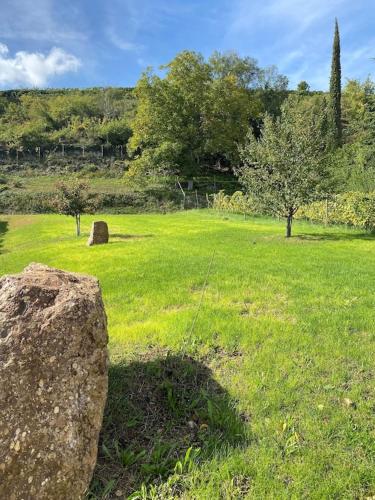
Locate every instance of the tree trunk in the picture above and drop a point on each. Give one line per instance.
(289, 222)
(78, 225)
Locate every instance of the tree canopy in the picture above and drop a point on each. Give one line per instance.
(287, 166)
(198, 112)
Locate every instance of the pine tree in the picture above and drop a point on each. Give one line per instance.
(335, 88)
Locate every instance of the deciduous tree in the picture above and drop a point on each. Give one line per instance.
(286, 167)
(199, 111)
(74, 199)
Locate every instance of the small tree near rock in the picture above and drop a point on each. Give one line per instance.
(74, 199)
(287, 167)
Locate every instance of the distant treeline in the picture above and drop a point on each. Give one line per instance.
(15, 94)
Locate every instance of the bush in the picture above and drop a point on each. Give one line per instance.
(236, 203)
(352, 209)
(131, 202)
(14, 202)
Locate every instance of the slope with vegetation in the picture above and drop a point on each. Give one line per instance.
(189, 119)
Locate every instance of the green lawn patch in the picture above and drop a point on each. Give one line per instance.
(242, 364)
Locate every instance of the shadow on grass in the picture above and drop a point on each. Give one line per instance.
(3, 230)
(335, 236)
(156, 410)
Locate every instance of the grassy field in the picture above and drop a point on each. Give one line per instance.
(242, 363)
(47, 183)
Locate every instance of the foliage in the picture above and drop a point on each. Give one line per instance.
(335, 88)
(237, 203)
(199, 111)
(303, 88)
(356, 160)
(352, 209)
(74, 199)
(19, 202)
(30, 120)
(287, 167)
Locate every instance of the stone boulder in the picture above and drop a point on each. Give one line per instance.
(53, 383)
(99, 234)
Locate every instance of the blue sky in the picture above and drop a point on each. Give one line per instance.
(80, 43)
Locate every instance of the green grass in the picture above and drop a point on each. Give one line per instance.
(242, 362)
(47, 183)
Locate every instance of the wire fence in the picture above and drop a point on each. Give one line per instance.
(62, 150)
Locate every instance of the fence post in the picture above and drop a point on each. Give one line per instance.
(183, 192)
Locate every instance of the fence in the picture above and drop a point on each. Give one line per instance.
(63, 150)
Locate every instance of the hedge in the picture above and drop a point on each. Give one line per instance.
(238, 202)
(354, 209)
(13, 202)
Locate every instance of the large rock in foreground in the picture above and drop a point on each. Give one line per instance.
(53, 383)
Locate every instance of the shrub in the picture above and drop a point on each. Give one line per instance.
(352, 209)
(131, 202)
(236, 203)
(15, 202)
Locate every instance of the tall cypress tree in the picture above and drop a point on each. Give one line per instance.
(335, 88)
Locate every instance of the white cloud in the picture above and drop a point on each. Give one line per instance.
(120, 43)
(3, 49)
(34, 69)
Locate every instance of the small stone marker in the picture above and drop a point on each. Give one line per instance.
(99, 233)
(53, 383)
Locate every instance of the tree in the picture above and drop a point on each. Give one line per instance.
(244, 70)
(115, 132)
(74, 200)
(335, 88)
(170, 111)
(355, 161)
(199, 111)
(303, 87)
(286, 167)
